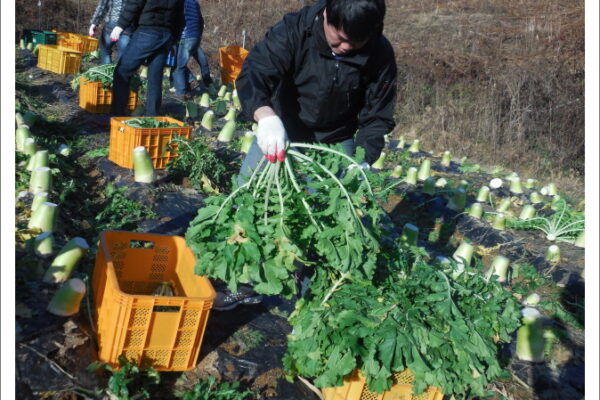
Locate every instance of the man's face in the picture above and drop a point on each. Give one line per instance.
(337, 40)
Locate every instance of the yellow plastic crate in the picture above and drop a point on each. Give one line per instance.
(55, 59)
(355, 388)
(164, 332)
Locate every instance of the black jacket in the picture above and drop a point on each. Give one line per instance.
(164, 15)
(320, 97)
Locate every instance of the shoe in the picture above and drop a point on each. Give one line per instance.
(207, 80)
(226, 300)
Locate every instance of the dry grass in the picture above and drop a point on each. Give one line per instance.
(501, 82)
(62, 15)
(498, 81)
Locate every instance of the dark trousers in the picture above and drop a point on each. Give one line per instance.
(147, 44)
(189, 48)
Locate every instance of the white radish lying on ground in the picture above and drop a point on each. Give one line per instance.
(66, 260)
(67, 299)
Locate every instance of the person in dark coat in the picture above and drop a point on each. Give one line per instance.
(159, 24)
(324, 74)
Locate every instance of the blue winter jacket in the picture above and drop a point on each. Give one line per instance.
(194, 23)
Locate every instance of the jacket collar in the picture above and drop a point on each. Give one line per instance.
(358, 58)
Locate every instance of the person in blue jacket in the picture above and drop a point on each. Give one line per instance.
(189, 46)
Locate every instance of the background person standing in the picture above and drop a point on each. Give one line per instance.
(109, 10)
(189, 46)
(160, 23)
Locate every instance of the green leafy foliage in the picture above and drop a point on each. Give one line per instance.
(196, 160)
(558, 311)
(130, 382)
(563, 225)
(119, 212)
(149, 122)
(402, 158)
(445, 330)
(526, 280)
(256, 236)
(211, 390)
(373, 305)
(467, 168)
(247, 338)
(103, 74)
(22, 176)
(97, 152)
(49, 133)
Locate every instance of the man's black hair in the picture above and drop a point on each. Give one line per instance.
(358, 19)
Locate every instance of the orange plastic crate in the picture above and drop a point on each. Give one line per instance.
(160, 331)
(95, 99)
(77, 42)
(231, 59)
(124, 138)
(355, 388)
(55, 59)
(74, 44)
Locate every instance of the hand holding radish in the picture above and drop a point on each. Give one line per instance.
(272, 138)
(116, 32)
(92, 30)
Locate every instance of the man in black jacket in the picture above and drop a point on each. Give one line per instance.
(159, 24)
(322, 75)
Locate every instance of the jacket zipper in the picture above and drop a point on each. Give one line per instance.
(336, 72)
(334, 81)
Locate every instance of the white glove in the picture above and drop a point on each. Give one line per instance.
(116, 32)
(362, 165)
(272, 138)
(92, 30)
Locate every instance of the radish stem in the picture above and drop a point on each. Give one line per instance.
(290, 174)
(278, 185)
(310, 146)
(268, 191)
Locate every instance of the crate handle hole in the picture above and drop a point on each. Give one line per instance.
(141, 244)
(166, 309)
